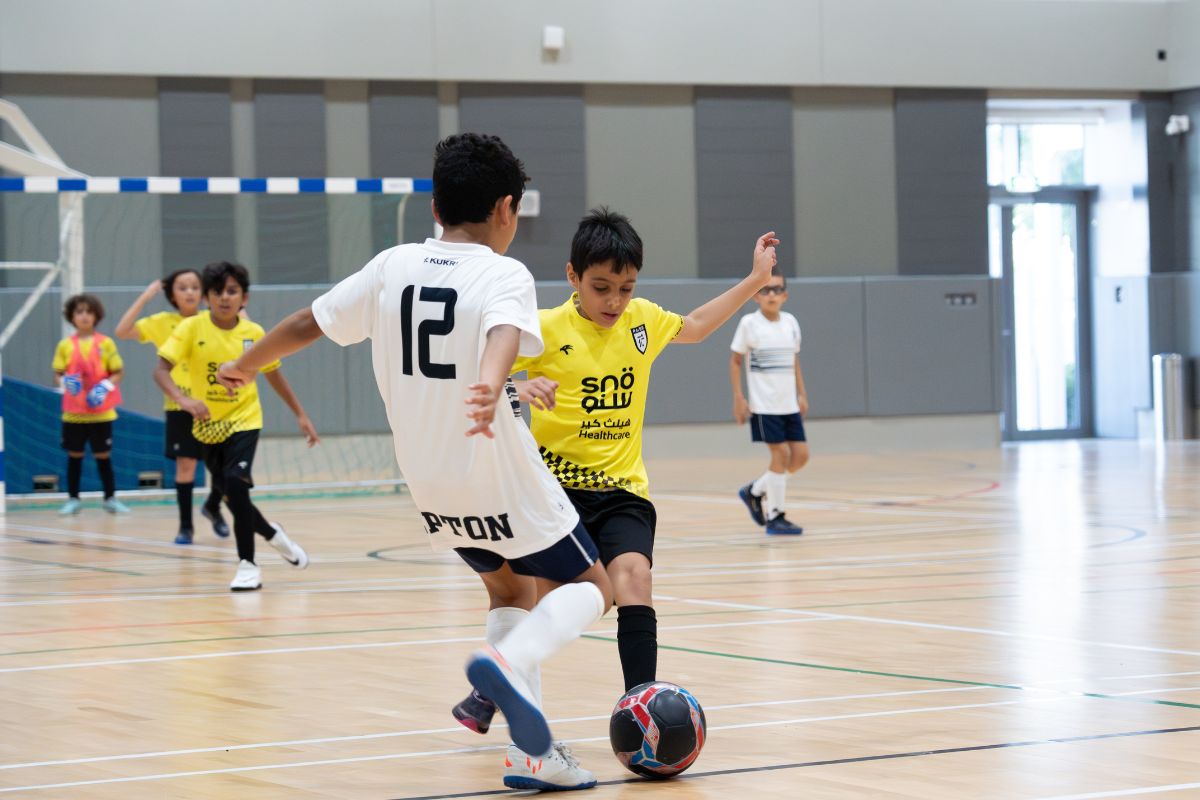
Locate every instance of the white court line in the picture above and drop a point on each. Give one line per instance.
(1156, 691)
(461, 729)
(933, 626)
(1124, 792)
(369, 645)
(456, 751)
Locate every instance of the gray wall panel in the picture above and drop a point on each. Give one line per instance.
(404, 130)
(833, 351)
(925, 356)
(289, 140)
(196, 139)
(347, 122)
(1187, 185)
(845, 183)
(941, 182)
(544, 127)
(640, 145)
(743, 177)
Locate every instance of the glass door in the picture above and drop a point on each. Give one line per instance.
(1040, 240)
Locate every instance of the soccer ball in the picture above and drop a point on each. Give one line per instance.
(657, 729)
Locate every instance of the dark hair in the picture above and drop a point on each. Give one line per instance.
(605, 235)
(168, 283)
(777, 272)
(218, 273)
(90, 300)
(471, 171)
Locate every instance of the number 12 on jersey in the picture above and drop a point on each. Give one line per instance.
(427, 329)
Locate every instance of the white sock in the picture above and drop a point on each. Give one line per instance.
(776, 493)
(558, 618)
(759, 487)
(500, 621)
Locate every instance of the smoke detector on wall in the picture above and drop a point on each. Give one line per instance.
(1178, 124)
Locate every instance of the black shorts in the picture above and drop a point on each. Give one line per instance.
(776, 428)
(618, 521)
(180, 441)
(232, 459)
(562, 562)
(77, 435)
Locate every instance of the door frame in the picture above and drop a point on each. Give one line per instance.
(1083, 198)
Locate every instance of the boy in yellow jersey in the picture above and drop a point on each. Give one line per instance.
(182, 290)
(228, 422)
(588, 392)
(90, 368)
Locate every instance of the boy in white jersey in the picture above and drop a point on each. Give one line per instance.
(446, 320)
(778, 400)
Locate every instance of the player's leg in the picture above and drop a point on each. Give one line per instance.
(239, 466)
(510, 597)
(797, 456)
(74, 443)
(762, 494)
(580, 596)
(185, 483)
(795, 452)
(101, 442)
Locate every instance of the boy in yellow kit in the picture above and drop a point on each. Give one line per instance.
(588, 390)
(227, 422)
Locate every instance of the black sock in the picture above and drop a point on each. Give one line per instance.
(213, 503)
(637, 642)
(107, 478)
(183, 496)
(74, 475)
(261, 525)
(237, 494)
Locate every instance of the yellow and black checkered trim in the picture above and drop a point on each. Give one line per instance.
(572, 476)
(215, 431)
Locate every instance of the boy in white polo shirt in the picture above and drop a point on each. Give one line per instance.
(778, 401)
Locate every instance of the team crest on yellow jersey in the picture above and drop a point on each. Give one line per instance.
(640, 339)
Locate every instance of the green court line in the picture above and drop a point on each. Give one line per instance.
(857, 671)
(41, 563)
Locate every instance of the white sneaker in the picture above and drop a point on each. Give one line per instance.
(247, 579)
(292, 553)
(558, 770)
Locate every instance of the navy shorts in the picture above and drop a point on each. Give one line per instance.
(561, 562)
(776, 428)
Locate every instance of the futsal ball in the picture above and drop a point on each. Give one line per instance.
(657, 729)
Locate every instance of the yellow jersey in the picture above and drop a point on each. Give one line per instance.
(592, 438)
(199, 343)
(112, 363)
(156, 329)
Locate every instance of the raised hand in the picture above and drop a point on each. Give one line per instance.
(764, 257)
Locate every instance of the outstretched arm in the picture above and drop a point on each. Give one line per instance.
(284, 390)
(292, 335)
(707, 318)
(125, 328)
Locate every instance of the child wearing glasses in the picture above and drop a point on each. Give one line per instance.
(777, 404)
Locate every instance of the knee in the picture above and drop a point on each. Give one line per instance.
(633, 584)
(799, 459)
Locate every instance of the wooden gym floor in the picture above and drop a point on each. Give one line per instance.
(1016, 623)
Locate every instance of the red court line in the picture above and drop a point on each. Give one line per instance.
(238, 620)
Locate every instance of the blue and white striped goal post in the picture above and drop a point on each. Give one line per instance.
(89, 185)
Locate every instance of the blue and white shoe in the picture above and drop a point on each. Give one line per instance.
(754, 503)
(557, 771)
(782, 526)
(493, 678)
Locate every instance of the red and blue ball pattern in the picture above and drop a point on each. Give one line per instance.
(657, 729)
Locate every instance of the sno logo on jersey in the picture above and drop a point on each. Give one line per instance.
(609, 392)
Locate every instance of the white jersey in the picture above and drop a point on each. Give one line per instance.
(772, 346)
(427, 309)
